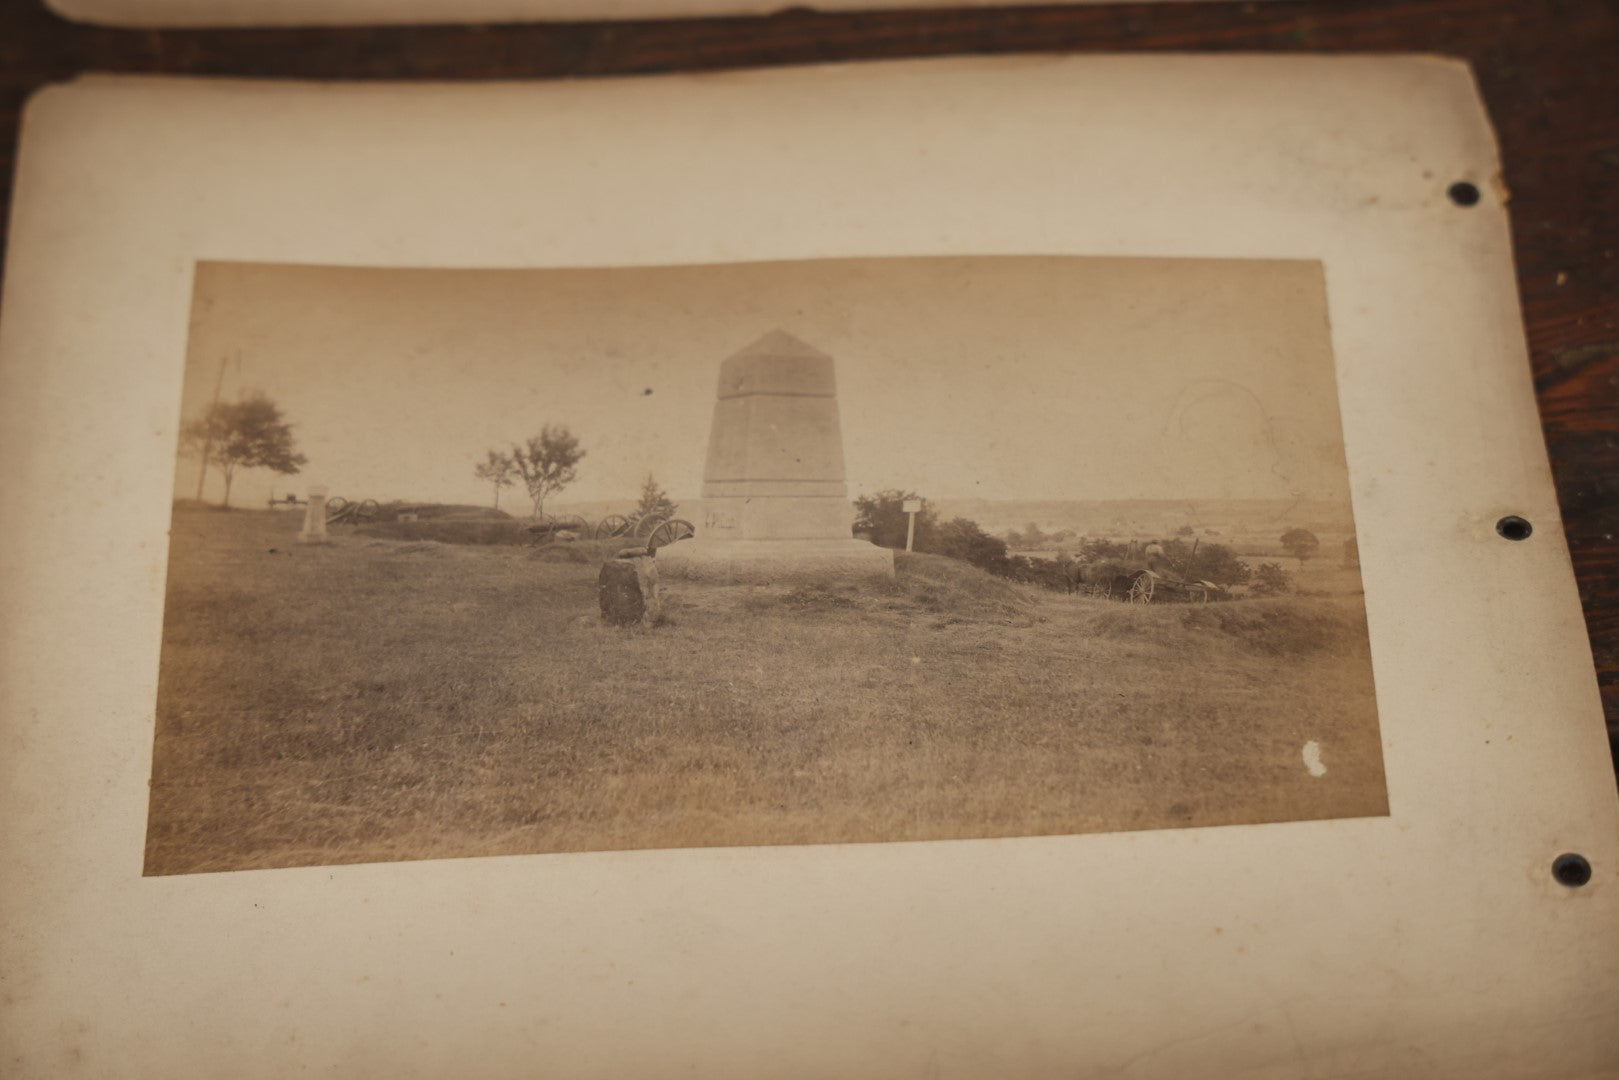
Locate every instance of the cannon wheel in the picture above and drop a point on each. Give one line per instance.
(335, 507)
(611, 525)
(367, 510)
(667, 532)
(1141, 589)
(645, 526)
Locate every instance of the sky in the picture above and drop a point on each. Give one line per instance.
(988, 377)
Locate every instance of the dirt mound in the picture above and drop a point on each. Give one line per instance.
(450, 531)
(932, 586)
(943, 585)
(1280, 627)
(440, 512)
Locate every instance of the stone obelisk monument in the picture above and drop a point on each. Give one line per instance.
(775, 504)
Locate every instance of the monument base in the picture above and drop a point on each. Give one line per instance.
(775, 562)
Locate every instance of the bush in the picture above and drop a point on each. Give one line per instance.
(966, 540)
(1213, 562)
(1095, 549)
(882, 517)
(1271, 580)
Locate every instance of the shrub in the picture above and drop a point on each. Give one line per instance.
(1095, 549)
(882, 517)
(966, 540)
(1271, 580)
(1213, 562)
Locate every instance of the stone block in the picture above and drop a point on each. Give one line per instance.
(627, 589)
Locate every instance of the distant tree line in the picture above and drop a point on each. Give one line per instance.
(881, 517)
(1032, 536)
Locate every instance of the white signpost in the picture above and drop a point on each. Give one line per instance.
(911, 508)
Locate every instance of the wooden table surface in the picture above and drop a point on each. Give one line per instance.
(1549, 71)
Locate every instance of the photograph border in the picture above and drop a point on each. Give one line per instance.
(1331, 945)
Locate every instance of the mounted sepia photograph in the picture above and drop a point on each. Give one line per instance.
(497, 562)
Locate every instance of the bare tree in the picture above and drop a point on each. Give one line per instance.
(547, 463)
(498, 470)
(245, 434)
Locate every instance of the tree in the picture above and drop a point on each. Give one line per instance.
(655, 502)
(245, 434)
(1270, 580)
(496, 469)
(1300, 543)
(882, 517)
(1212, 562)
(547, 463)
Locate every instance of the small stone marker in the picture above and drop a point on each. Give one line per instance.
(628, 589)
(314, 530)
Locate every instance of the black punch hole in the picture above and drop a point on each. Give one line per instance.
(1463, 193)
(1571, 870)
(1514, 527)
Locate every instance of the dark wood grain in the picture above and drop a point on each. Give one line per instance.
(1549, 70)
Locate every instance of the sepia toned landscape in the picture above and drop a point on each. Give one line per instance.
(1133, 599)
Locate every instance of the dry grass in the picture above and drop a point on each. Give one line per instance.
(382, 699)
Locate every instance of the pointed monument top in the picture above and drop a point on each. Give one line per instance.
(779, 343)
(777, 363)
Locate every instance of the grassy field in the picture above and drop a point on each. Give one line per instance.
(381, 699)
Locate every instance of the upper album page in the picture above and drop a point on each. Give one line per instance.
(178, 13)
(1020, 567)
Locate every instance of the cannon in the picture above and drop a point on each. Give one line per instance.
(340, 511)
